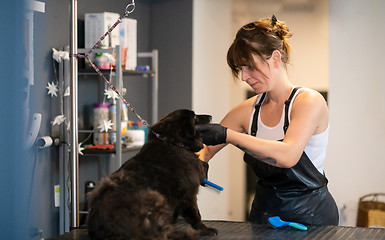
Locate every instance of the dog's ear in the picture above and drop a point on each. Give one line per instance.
(184, 126)
(189, 124)
(191, 120)
(176, 125)
(179, 127)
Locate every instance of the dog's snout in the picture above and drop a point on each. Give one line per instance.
(202, 119)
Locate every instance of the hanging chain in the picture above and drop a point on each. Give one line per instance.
(144, 122)
(129, 9)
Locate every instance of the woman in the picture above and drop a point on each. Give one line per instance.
(283, 130)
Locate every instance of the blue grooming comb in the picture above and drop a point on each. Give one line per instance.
(211, 184)
(277, 222)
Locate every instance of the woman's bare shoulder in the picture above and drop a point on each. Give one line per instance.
(239, 116)
(310, 94)
(310, 104)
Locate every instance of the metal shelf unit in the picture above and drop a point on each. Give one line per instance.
(66, 167)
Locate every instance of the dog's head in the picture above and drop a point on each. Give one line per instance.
(178, 128)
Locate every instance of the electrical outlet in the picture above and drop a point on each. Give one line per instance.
(57, 195)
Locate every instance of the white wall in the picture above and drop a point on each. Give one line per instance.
(308, 21)
(355, 162)
(213, 89)
(338, 41)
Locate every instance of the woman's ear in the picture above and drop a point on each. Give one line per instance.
(276, 56)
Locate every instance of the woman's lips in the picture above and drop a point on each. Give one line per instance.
(253, 84)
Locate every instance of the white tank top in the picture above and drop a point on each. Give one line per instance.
(315, 148)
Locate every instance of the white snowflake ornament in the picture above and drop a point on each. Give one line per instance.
(105, 126)
(67, 92)
(52, 89)
(81, 149)
(59, 55)
(58, 120)
(111, 94)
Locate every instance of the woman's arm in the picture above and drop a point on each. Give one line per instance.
(309, 116)
(237, 119)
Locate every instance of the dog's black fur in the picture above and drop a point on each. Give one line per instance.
(150, 191)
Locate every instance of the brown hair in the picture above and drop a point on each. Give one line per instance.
(260, 38)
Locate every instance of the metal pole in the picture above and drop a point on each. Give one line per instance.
(155, 86)
(119, 86)
(74, 157)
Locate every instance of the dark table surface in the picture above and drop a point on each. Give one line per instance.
(246, 230)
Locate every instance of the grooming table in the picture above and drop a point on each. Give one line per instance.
(246, 230)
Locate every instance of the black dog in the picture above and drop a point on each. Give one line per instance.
(150, 191)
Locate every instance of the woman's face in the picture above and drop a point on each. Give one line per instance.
(257, 79)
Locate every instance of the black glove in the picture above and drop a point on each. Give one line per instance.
(212, 133)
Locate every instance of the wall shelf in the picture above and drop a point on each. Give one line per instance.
(91, 72)
(97, 152)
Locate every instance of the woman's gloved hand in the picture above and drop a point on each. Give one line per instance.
(212, 133)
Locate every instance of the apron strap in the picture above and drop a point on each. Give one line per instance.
(287, 104)
(254, 126)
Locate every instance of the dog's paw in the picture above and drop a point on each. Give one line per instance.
(208, 231)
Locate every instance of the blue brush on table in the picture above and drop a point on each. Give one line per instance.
(211, 184)
(277, 222)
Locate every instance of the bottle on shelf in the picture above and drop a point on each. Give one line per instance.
(124, 121)
(100, 115)
(136, 134)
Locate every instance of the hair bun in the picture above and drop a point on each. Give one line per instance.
(282, 30)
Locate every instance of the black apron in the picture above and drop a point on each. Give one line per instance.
(298, 194)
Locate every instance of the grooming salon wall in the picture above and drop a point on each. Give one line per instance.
(56, 148)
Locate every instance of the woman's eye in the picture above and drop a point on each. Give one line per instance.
(246, 68)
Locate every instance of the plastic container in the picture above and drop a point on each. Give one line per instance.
(139, 126)
(103, 60)
(136, 134)
(100, 115)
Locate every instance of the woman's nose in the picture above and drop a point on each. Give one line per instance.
(244, 75)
